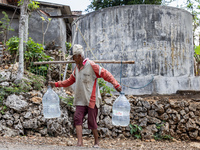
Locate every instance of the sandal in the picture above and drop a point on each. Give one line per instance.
(96, 146)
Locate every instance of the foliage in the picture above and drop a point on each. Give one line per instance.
(67, 100)
(34, 52)
(193, 8)
(197, 54)
(100, 4)
(13, 45)
(37, 81)
(33, 5)
(159, 136)
(34, 82)
(3, 109)
(104, 88)
(68, 46)
(135, 129)
(5, 26)
(197, 50)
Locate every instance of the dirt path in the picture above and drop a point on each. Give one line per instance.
(62, 143)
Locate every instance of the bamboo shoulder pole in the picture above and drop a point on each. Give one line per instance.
(71, 61)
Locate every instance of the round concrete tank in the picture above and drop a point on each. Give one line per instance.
(158, 38)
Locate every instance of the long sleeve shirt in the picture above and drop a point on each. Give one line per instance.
(87, 89)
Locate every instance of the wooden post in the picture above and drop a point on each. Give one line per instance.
(96, 61)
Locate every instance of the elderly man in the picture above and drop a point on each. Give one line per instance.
(87, 97)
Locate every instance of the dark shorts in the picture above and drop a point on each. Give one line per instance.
(80, 113)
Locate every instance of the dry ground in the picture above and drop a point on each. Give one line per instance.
(47, 143)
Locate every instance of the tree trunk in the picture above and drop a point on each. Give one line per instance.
(22, 22)
(26, 29)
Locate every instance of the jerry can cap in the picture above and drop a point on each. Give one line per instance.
(122, 93)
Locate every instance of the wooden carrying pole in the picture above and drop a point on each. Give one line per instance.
(71, 61)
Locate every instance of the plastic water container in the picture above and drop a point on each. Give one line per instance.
(121, 111)
(51, 104)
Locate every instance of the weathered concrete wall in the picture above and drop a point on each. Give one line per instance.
(56, 31)
(14, 24)
(157, 38)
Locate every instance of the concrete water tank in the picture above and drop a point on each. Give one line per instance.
(158, 38)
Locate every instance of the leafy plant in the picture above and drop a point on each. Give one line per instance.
(2, 110)
(135, 129)
(104, 88)
(5, 26)
(67, 100)
(33, 5)
(159, 136)
(34, 52)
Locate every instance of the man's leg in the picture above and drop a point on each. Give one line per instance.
(92, 123)
(78, 121)
(79, 135)
(96, 137)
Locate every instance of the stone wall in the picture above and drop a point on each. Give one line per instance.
(178, 118)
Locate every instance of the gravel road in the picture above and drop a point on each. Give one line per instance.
(62, 143)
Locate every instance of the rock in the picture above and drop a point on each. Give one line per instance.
(30, 124)
(153, 120)
(86, 132)
(36, 100)
(193, 135)
(190, 125)
(8, 116)
(158, 108)
(28, 115)
(197, 120)
(105, 132)
(185, 137)
(143, 122)
(43, 131)
(187, 110)
(191, 114)
(146, 104)
(171, 111)
(182, 112)
(165, 128)
(4, 84)
(109, 101)
(152, 113)
(148, 132)
(106, 110)
(19, 128)
(176, 117)
(35, 93)
(139, 109)
(108, 122)
(5, 74)
(164, 117)
(15, 102)
(186, 117)
(181, 127)
(141, 114)
(193, 107)
(197, 113)
(9, 123)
